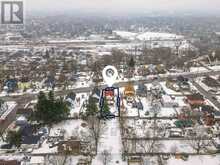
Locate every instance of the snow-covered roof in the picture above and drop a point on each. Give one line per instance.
(125, 34)
(167, 98)
(10, 106)
(10, 157)
(37, 159)
(22, 118)
(147, 35)
(158, 36)
(186, 46)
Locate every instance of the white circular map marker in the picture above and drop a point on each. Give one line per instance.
(110, 75)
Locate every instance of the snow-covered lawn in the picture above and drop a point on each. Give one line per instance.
(146, 106)
(169, 91)
(76, 106)
(176, 146)
(132, 112)
(165, 111)
(180, 100)
(173, 146)
(141, 126)
(45, 149)
(196, 160)
(216, 67)
(198, 69)
(70, 127)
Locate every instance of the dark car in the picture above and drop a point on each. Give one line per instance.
(214, 98)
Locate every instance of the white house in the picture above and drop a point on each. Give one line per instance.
(167, 101)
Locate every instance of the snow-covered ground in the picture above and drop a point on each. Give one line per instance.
(167, 146)
(176, 146)
(141, 126)
(45, 149)
(77, 105)
(169, 91)
(132, 112)
(71, 128)
(126, 34)
(110, 141)
(147, 35)
(216, 67)
(158, 36)
(165, 111)
(10, 157)
(146, 106)
(6, 108)
(196, 160)
(204, 86)
(200, 69)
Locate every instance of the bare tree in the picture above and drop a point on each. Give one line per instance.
(160, 161)
(200, 141)
(2, 136)
(3, 106)
(55, 160)
(156, 107)
(199, 144)
(96, 129)
(106, 157)
(150, 144)
(96, 68)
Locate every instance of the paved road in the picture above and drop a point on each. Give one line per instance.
(208, 95)
(205, 66)
(25, 98)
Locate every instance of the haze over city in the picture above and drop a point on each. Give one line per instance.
(124, 6)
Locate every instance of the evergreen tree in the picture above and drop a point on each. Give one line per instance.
(40, 107)
(49, 110)
(106, 108)
(14, 138)
(47, 54)
(91, 107)
(51, 96)
(131, 62)
(1, 103)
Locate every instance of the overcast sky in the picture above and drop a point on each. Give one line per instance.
(124, 5)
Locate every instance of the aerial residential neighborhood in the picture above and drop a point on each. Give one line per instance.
(91, 89)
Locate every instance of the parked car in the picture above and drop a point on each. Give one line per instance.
(176, 133)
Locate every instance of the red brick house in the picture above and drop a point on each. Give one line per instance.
(195, 99)
(72, 147)
(9, 162)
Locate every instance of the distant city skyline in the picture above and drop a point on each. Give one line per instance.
(123, 6)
